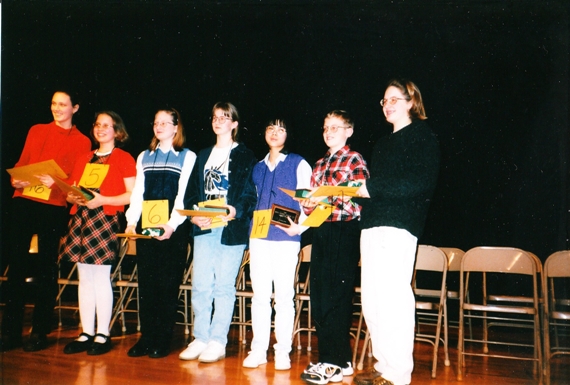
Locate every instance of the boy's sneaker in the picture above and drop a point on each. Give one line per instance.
(348, 370)
(322, 373)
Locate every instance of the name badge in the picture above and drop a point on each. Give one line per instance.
(93, 175)
(154, 213)
(261, 222)
(39, 192)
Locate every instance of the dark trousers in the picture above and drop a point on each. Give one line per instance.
(28, 218)
(334, 263)
(160, 271)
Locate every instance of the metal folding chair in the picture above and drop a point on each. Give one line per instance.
(431, 300)
(556, 315)
(303, 298)
(503, 262)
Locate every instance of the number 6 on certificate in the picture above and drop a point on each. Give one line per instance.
(154, 213)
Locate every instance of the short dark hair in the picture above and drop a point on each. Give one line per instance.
(341, 114)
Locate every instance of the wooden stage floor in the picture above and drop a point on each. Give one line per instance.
(52, 367)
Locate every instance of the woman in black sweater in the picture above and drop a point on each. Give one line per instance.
(403, 171)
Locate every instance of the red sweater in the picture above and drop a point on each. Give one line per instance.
(121, 166)
(49, 141)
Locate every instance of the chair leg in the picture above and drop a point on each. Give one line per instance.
(447, 362)
(360, 365)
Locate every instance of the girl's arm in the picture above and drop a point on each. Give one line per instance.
(134, 211)
(117, 200)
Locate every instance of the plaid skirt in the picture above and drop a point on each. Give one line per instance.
(91, 238)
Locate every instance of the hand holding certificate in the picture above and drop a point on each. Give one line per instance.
(30, 172)
(77, 190)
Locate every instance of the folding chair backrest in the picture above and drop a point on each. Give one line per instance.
(558, 265)
(431, 258)
(454, 256)
(502, 260)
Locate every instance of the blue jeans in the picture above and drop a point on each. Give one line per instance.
(215, 269)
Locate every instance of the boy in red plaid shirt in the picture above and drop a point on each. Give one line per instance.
(335, 253)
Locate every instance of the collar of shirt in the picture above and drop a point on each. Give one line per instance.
(171, 149)
(340, 152)
(280, 158)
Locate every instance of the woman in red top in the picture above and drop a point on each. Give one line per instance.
(42, 213)
(91, 241)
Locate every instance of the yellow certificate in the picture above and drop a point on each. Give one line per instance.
(318, 216)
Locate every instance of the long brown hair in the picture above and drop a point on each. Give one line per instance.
(179, 138)
(229, 111)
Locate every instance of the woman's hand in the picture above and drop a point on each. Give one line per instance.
(16, 183)
(167, 232)
(97, 200)
(46, 180)
(201, 222)
(75, 199)
(292, 230)
(132, 229)
(231, 215)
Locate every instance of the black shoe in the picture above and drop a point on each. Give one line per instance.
(8, 343)
(100, 348)
(79, 346)
(158, 352)
(36, 343)
(138, 350)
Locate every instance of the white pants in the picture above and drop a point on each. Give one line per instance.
(95, 296)
(272, 265)
(388, 256)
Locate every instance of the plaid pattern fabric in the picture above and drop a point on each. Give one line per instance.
(91, 238)
(337, 168)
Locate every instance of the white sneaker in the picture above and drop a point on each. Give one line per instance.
(193, 351)
(348, 370)
(255, 358)
(322, 373)
(282, 361)
(215, 351)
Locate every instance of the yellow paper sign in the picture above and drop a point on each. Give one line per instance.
(38, 192)
(93, 175)
(261, 222)
(318, 216)
(155, 213)
(220, 202)
(216, 221)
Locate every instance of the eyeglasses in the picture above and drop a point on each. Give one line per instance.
(391, 101)
(161, 124)
(333, 129)
(221, 119)
(275, 130)
(103, 126)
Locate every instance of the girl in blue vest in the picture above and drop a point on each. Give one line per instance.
(163, 171)
(273, 259)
